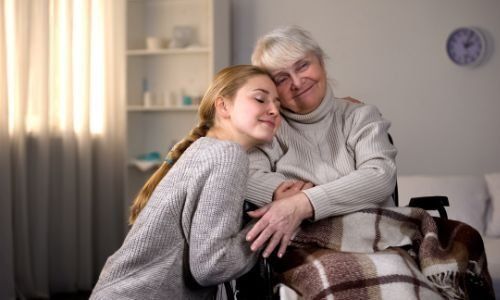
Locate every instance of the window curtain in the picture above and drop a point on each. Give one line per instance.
(62, 141)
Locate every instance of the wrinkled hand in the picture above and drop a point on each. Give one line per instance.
(279, 220)
(289, 188)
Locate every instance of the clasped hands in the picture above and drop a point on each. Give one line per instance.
(280, 219)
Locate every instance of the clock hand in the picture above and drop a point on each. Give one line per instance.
(468, 41)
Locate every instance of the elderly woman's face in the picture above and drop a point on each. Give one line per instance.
(302, 85)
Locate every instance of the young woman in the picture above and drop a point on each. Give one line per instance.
(186, 236)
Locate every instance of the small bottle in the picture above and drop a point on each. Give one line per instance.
(173, 99)
(161, 100)
(187, 100)
(147, 98)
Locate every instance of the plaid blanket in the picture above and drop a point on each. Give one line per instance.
(389, 253)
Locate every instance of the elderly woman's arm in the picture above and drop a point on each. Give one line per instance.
(374, 178)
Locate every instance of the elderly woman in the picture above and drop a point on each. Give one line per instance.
(330, 157)
(331, 163)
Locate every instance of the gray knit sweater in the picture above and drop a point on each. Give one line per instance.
(341, 147)
(188, 238)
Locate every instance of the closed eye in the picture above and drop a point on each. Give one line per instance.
(279, 79)
(302, 65)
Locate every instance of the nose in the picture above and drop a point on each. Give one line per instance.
(296, 82)
(274, 109)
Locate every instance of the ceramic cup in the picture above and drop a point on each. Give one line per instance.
(153, 43)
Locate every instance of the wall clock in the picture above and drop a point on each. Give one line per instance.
(466, 46)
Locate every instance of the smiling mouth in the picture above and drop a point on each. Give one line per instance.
(304, 91)
(269, 123)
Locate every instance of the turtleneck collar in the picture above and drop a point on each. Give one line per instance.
(316, 115)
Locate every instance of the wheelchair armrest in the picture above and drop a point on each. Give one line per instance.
(431, 203)
(266, 273)
(248, 206)
(258, 282)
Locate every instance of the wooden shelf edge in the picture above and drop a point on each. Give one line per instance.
(168, 51)
(139, 108)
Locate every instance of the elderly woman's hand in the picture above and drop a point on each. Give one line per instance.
(278, 222)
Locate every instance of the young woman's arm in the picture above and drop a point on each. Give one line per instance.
(218, 250)
(263, 180)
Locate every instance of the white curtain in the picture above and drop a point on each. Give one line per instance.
(62, 139)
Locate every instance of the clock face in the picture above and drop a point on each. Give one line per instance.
(466, 46)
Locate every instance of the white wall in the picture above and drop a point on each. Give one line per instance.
(391, 53)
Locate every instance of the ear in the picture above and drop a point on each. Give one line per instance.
(222, 107)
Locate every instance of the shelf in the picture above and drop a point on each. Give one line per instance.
(144, 165)
(165, 1)
(189, 50)
(139, 108)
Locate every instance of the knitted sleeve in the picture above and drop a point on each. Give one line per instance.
(263, 179)
(374, 177)
(218, 250)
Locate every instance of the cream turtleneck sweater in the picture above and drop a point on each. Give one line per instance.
(341, 147)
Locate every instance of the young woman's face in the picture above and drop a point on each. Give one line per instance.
(254, 111)
(302, 85)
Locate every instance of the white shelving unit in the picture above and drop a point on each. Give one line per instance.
(169, 73)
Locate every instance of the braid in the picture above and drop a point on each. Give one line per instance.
(173, 155)
(180, 147)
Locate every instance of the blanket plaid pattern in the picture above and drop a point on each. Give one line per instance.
(386, 253)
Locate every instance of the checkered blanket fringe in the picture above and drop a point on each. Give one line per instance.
(386, 253)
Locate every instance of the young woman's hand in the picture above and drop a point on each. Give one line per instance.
(353, 100)
(279, 220)
(289, 188)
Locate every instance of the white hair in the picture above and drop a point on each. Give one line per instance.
(284, 46)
